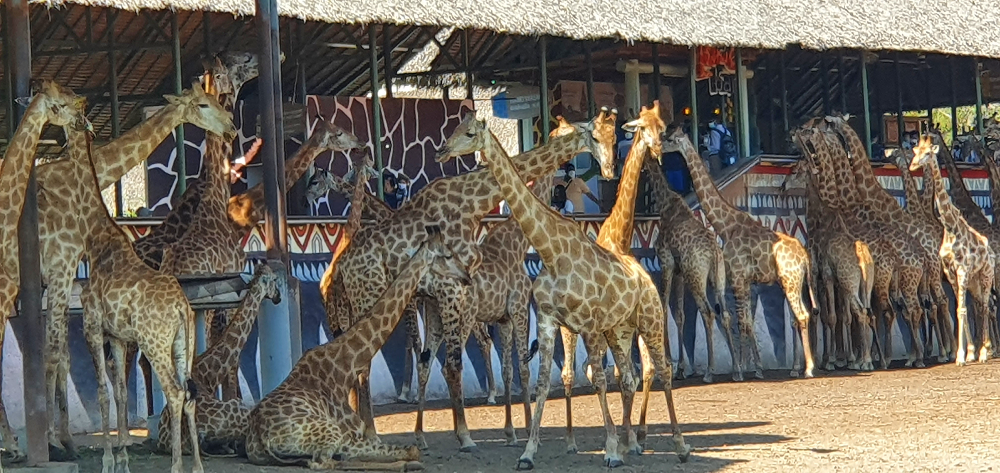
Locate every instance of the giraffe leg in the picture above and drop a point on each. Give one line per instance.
(95, 341)
(964, 342)
(913, 318)
(10, 445)
(697, 282)
(482, 335)
(547, 326)
(456, 332)
(829, 318)
(684, 366)
(409, 318)
(981, 296)
(668, 265)
(791, 278)
(651, 328)
(165, 371)
(520, 318)
(596, 350)
(748, 339)
(432, 341)
(506, 329)
(569, 339)
(118, 384)
(57, 365)
(723, 314)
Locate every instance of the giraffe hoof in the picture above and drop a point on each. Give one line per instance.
(469, 448)
(571, 450)
(794, 373)
(919, 364)
(738, 376)
(829, 366)
(707, 379)
(640, 437)
(684, 454)
(758, 374)
(809, 374)
(635, 450)
(525, 464)
(613, 463)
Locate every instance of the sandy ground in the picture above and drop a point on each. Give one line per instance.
(934, 419)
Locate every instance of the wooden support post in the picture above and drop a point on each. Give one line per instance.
(900, 126)
(784, 93)
(977, 68)
(32, 338)
(387, 60)
(954, 99)
(116, 130)
(841, 82)
(824, 80)
(466, 64)
(591, 103)
(742, 105)
(543, 86)
(654, 93)
(866, 104)
(693, 79)
(376, 105)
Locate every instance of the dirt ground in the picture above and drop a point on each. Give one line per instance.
(934, 419)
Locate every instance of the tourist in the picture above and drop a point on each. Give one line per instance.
(576, 189)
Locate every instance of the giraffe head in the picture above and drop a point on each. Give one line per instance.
(268, 281)
(204, 111)
(441, 261)
(469, 136)
(898, 158)
(924, 153)
(648, 127)
(327, 136)
(228, 71)
(601, 137)
(60, 105)
(800, 175)
(323, 181)
(677, 140)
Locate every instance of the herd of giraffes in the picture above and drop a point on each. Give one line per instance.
(867, 260)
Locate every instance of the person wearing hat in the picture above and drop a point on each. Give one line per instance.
(576, 189)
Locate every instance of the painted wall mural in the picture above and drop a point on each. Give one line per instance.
(310, 244)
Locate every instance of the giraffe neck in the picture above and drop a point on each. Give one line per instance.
(374, 207)
(948, 214)
(536, 219)
(670, 205)
(238, 331)
(961, 197)
(15, 171)
(374, 329)
(357, 207)
(215, 173)
(831, 159)
(721, 214)
(994, 174)
(246, 209)
(616, 231)
(118, 157)
(914, 201)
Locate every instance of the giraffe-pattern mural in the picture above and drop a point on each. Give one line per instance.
(310, 243)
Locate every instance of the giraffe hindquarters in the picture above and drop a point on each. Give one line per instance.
(793, 267)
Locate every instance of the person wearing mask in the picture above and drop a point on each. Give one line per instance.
(390, 188)
(576, 189)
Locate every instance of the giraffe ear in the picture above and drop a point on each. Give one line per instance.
(934, 149)
(23, 101)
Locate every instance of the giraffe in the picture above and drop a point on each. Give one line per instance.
(307, 419)
(878, 206)
(127, 301)
(846, 274)
(922, 207)
(58, 106)
(592, 291)
(61, 237)
(222, 423)
(968, 261)
(755, 255)
(686, 246)
(224, 77)
(457, 204)
(899, 258)
(337, 306)
(960, 196)
(615, 235)
(500, 295)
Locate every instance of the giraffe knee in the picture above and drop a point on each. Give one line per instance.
(425, 356)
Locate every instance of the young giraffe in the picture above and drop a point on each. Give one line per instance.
(592, 291)
(61, 239)
(500, 295)
(687, 247)
(968, 261)
(457, 204)
(899, 253)
(756, 255)
(922, 207)
(50, 104)
(307, 419)
(221, 423)
(846, 274)
(129, 302)
(875, 205)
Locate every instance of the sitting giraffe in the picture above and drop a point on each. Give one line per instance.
(590, 290)
(223, 423)
(129, 302)
(968, 262)
(686, 246)
(307, 419)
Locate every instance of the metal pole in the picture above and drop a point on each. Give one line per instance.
(543, 86)
(977, 67)
(32, 339)
(927, 95)
(654, 94)
(824, 78)
(274, 324)
(387, 60)
(954, 100)
(376, 107)
(466, 64)
(742, 106)
(181, 160)
(784, 93)
(866, 104)
(900, 126)
(693, 75)
(115, 118)
(591, 101)
(841, 77)
(7, 80)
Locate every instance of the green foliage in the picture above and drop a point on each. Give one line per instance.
(966, 118)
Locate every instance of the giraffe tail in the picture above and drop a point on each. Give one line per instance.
(811, 285)
(719, 281)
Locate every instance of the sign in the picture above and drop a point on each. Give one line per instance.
(517, 102)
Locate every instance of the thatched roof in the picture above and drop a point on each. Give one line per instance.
(966, 28)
